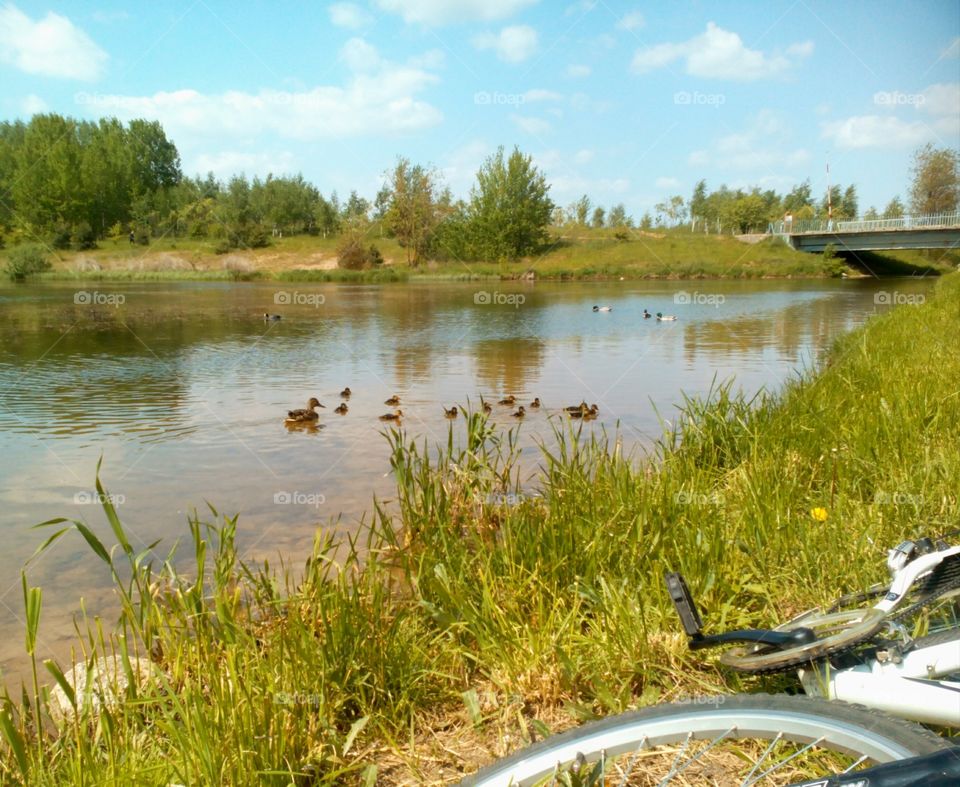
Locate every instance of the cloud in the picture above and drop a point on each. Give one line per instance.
(228, 162)
(874, 131)
(577, 71)
(52, 46)
(538, 94)
(764, 144)
(532, 125)
(33, 105)
(941, 99)
(719, 54)
(632, 20)
(584, 156)
(349, 15)
(512, 44)
(434, 13)
(667, 183)
(376, 101)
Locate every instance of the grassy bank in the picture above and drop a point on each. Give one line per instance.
(485, 610)
(581, 254)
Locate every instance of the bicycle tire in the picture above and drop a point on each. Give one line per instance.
(840, 727)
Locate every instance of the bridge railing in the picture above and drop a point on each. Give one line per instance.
(821, 226)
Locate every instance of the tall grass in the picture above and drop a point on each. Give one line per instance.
(482, 606)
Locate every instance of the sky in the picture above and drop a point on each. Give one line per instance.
(625, 101)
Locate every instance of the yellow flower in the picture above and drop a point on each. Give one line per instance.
(820, 514)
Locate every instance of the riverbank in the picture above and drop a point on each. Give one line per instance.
(485, 610)
(595, 254)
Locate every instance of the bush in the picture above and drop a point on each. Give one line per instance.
(61, 237)
(351, 255)
(223, 246)
(26, 260)
(83, 237)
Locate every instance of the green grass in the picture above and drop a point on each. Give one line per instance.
(477, 610)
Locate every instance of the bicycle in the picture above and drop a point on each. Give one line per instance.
(843, 655)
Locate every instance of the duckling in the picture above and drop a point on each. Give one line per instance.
(392, 416)
(511, 399)
(393, 401)
(577, 408)
(271, 317)
(346, 393)
(535, 403)
(451, 413)
(603, 308)
(342, 409)
(646, 315)
(520, 412)
(306, 415)
(487, 407)
(665, 317)
(592, 413)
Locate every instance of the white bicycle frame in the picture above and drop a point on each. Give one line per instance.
(908, 686)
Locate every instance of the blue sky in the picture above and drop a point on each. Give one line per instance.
(627, 102)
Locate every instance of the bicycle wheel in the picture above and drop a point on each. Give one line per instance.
(739, 740)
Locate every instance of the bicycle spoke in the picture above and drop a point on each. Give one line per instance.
(793, 756)
(747, 780)
(636, 755)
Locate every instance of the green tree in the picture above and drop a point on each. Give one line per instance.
(412, 214)
(894, 209)
(580, 210)
(510, 207)
(598, 218)
(618, 216)
(936, 181)
(798, 198)
(698, 201)
(849, 204)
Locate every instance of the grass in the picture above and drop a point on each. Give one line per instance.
(481, 608)
(572, 254)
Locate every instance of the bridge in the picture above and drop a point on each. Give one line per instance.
(939, 231)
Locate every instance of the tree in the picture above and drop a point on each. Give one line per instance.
(412, 214)
(618, 216)
(748, 213)
(936, 181)
(894, 209)
(646, 223)
(798, 198)
(674, 209)
(849, 205)
(871, 214)
(510, 207)
(581, 209)
(698, 202)
(598, 218)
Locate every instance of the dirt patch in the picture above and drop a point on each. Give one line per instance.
(163, 261)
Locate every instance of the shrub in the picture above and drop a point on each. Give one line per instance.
(351, 255)
(83, 237)
(223, 246)
(61, 236)
(141, 235)
(26, 260)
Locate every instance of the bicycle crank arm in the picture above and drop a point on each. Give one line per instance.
(778, 639)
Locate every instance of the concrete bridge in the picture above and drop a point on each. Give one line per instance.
(940, 231)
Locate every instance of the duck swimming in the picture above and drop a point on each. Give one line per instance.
(487, 407)
(305, 416)
(508, 400)
(346, 393)
(576, 408)
(451, 413)
(520, 412)
(603, 308)
(271, 317)
(392, 416)
(665, 317)
(342, 409)
(393, 401)
(535, 403)
(587, 413)
(646, 315)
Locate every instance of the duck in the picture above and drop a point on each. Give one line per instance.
(346, 393)
(487, 407)
(603, 308)
(271, 317)
(587, 413)
(577, 408)
(393, 401)
(451, 413)
(508, 400)
(307, 415)
(520, 412)
(646, 315)
(342, 409)
(392, 416)
(665, 317)
(535, 403)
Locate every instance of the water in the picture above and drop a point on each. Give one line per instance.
(181, 388)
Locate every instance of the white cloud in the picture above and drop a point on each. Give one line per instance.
(360, 56)
(631, 21)
(941, 99)
(52, 46)
(383, 100)
(584, 156)
(667, 183)
(441, 12)
(538, 94)
(578, 71)
(718, 54)
(512, 44)
(33, 105)
(228, 162)
(764, 144)
(349, 15)
(532, 125)
(873, 131)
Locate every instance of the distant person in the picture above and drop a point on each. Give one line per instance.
(131, 236)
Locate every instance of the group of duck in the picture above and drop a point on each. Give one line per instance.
(646, 315)
(309, 414)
